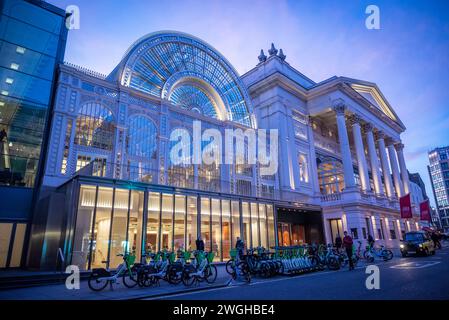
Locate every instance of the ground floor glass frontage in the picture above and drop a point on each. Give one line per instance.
(112, 220)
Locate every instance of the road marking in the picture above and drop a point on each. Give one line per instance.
(415, 265)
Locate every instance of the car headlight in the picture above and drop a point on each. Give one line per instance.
(401, 246)
(420, 245)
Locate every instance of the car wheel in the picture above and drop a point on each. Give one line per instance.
(426, 252)
(404, 254)
(433, 252)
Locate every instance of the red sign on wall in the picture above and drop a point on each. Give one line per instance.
(406, 206)
(424, 208)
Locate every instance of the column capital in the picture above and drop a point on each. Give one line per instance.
(380, 135)
(390, 142)
(339, 106)
(368, 127)
(355, 119)
(399, 146)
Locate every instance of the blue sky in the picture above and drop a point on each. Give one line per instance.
(408, 57)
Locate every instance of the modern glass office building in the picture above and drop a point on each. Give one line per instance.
(32, 44)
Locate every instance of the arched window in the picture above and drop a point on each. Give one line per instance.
(95, 127)
(330, 176)
(142, 134)
(141, 148)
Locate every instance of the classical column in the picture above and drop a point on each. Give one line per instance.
(344, 146)
(403, 167)
(395, 168)
(385, 167)
(360, 151)
(312, 157)
(374, 160)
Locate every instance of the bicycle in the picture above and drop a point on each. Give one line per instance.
(343, 257)
(325, 257)
(200, 269)
(100, 277)
(370, 253)
(236, 267)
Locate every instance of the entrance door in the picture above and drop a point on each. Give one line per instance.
(284, 234)
(336, 227)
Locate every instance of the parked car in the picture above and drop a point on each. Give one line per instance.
(417, 243)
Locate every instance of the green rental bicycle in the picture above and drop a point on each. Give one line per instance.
(200, 269)
(100, 277)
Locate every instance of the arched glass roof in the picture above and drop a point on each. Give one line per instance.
(157, 63)
(192, 98)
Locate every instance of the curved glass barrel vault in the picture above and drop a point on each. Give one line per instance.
(159, 64)
(111, 221)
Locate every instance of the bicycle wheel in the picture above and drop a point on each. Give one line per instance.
(244, 270)
(97, 283)
(264, 270)
(130, 279)
(210, 273)
(387, 255)
(333, 264)
(173, 276)
(187, 277)
(230, 267)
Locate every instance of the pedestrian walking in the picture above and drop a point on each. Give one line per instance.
(436, 240)
(347, 243)
(239, 245)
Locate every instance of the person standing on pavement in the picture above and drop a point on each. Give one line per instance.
(239, 245)
(347, 243)
(199, 244)
(370, 241)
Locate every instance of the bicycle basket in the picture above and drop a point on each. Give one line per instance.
(233, 253)
(172, 257)
(210, 257)
(200, 256)
(130, 259)
(187, 255)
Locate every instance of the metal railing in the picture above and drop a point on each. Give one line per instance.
(177, 177)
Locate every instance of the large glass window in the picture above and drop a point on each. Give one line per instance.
(246, 224)
(226, 228)
(271, 226)
(205, 223)
(179, 223)
(263, 225)
(216, 228)
(141, 139)
(95, 127)
(167, 222)
(235, 206)
(83, 228)
(255, 225)
(21, 132)
(119, 243)
(135, 224)
(19, 237)
(5, 238)
(102, 227)
(330, 176)
(192, 222)
(154, 206)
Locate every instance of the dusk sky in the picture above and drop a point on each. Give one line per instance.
(408, 57)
